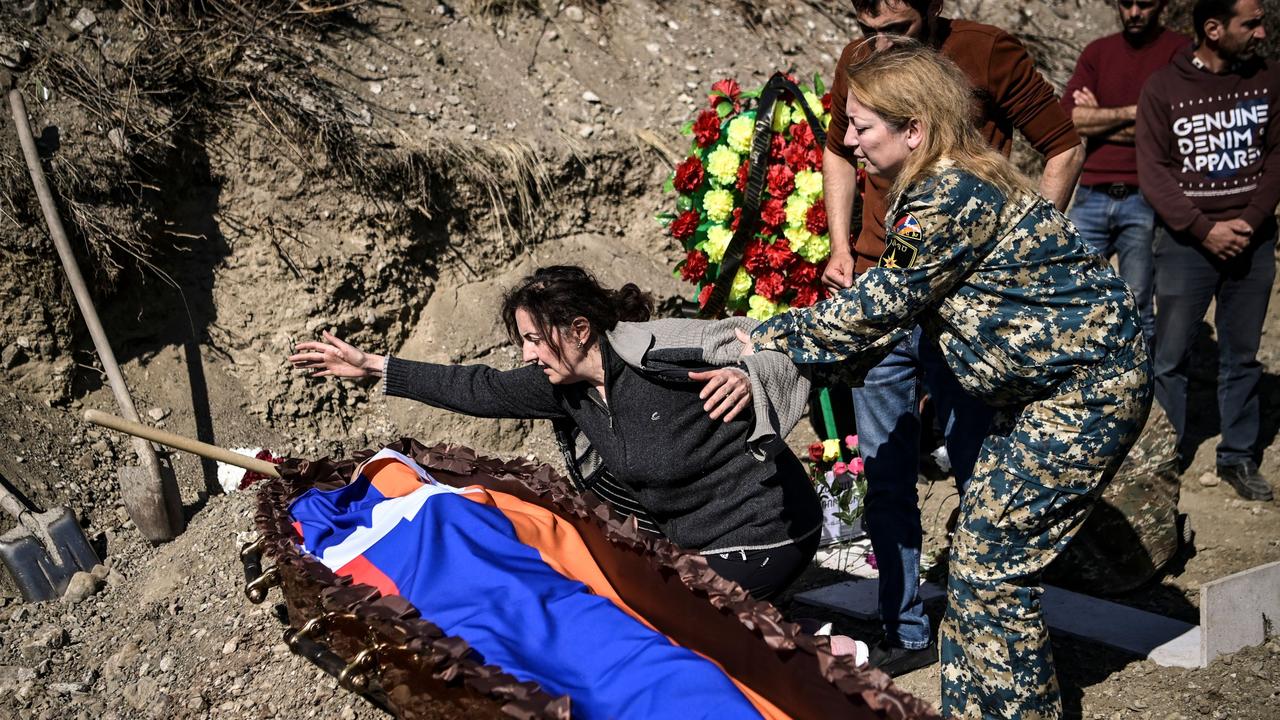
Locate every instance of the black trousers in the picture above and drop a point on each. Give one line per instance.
(766, 573)
(1187, 279)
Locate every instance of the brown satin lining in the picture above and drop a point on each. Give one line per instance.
(674, 590)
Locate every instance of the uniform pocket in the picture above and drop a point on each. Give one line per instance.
(1045, 498)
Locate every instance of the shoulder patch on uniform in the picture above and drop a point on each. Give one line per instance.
(903, 243)
(907, 226)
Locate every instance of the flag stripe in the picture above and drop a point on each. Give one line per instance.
(362, 571)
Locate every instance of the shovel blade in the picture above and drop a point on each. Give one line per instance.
(69, 542)
(149, 499)
(42, 562)
(38, 578)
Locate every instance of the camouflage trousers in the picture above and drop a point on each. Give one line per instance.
(1040, 470)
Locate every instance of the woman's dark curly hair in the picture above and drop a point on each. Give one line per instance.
(556, 296)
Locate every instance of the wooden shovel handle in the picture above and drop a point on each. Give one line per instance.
(213, 452)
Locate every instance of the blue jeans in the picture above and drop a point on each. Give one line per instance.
(888, 415)
(1125, 228)
(1189, 278)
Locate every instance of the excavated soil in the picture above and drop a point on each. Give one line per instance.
(580, 102)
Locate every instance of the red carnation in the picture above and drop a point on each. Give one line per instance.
(781, 181)
(815, 221)
(796, 157)
(779, 254)
(815, 159)
(683, 227)
(743, 172)
(755, 257)
(815, 451)
(777, 145)
(694, 267)
(826, 102)
(705, 294)
(805, 296)
(802, 134)
(706, 129)
(769, 285)
(772, 213)
(737, 218)
(728, 91)
(689, 175)
(802, 273)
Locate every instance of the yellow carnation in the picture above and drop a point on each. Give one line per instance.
(718, 204)
(816, 248)
(718, 237)
(797, 236)
(830, 450)
(741, 130)
(781, 116)
(814, 103)
(761, 308)
(808, 184)
(741, 286)
(722, 164)
(798, 208)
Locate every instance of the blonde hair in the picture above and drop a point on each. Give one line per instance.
(908, 81)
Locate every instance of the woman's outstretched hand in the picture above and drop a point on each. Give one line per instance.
(727, 392)
(337, 358)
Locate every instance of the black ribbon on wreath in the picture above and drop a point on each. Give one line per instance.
(777, 88)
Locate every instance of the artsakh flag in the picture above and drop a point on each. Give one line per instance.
(519, 585)
(907, 226)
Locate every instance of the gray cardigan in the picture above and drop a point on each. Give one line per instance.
(778, 391)
(699, 479)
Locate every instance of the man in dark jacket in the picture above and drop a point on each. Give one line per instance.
(1209, 163)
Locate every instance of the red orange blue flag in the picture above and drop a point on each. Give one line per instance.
(517, 583)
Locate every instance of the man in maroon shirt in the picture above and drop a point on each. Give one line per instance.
(1209, 163)
(1010, 95)
(1102, 97)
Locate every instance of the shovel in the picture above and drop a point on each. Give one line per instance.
(179, 442)
(45, 549)
(149, 492)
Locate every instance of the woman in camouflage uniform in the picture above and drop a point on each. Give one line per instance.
(1029, 320)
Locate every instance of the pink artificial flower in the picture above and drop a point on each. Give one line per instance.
(851, 442)
(840, 468)
(856, 466)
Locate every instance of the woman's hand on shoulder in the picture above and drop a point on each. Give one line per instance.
(727, 392)
(337, 358)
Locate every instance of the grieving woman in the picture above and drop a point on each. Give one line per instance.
(1030, 321)
(627, 400)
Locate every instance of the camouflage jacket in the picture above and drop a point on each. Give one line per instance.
(1020, 307)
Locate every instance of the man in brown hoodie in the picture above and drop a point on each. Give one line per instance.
(1011, 95)
(1209, 163)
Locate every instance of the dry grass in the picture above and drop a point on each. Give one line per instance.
(189, 73)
